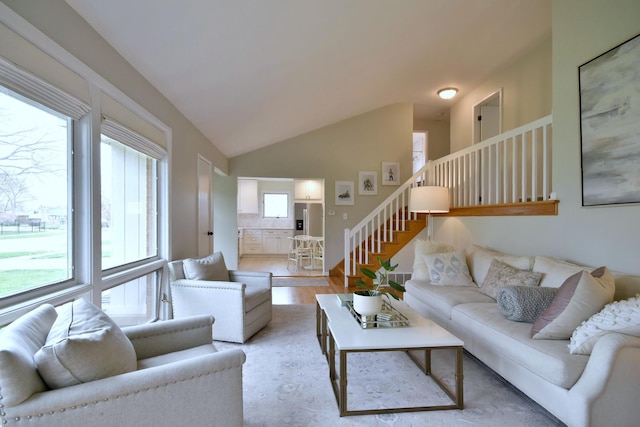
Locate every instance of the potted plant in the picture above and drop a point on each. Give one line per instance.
(368, 300)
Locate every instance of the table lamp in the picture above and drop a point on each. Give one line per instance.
(429, 199)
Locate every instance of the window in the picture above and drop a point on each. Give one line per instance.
(61, 178)
(134, 302)
(276, 205)
(35, 195)
(129, 204)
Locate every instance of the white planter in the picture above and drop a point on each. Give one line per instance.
(366, 305)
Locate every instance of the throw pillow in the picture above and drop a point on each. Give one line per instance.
(580, 296)
(84, 345)
(448, 268)
(422, 248)
(501, 274)
(619, 316)
(19, 341)
(211, 267)
(480, 260)
(555, 271)
(524, 303)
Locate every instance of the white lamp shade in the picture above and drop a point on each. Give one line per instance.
(429, 199)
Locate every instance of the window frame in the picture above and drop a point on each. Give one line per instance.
(275, 193)
(89, 281)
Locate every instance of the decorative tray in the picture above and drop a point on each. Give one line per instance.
(389, 317)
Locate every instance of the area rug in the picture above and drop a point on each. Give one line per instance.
(299, 281)
(286, 383)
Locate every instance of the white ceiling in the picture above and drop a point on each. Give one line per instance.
(250, 73)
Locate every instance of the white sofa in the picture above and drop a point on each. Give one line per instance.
(180, 379)
(600, 389)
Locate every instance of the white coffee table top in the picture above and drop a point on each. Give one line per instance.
(349, 335)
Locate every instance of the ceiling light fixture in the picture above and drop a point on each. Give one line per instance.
(447, 92)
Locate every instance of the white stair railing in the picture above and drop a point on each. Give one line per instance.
(514, 167)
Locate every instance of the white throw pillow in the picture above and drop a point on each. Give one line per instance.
(555, 271)
(84, 345)
(211, 267)
(619, 316)
(579, 297)
(448, 269)
(422, 248)
(19, 341)
(479, 261)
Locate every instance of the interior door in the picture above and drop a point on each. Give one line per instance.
(205, 208)
(490, 123)
(486, 116)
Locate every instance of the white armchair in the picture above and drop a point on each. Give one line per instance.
(180, 379)
(241, 305)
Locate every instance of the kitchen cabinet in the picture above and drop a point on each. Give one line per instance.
(308, 190)
(276, 241)
(248, 196)
(252, 242)
(266, 241)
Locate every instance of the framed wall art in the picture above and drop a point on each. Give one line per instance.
(367, 183)
(390, 173)
(344, 193)
(610, 126)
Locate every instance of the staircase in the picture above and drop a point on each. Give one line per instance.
(502, 174)
(375, 247)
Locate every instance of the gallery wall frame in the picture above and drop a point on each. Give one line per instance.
(344, 193)
(367, 183)
(609, 87)
(390, 173)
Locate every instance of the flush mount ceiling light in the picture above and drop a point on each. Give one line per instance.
(447, 92)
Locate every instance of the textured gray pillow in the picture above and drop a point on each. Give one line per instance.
(83, 345)
(501, 274)
(524, 303)
(211, 267)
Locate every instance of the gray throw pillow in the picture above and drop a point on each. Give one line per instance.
(211, 267)
(524, 303)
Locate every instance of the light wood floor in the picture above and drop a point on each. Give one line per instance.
(292, 295)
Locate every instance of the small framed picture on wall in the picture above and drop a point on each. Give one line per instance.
(367, 183)
(390, 173)
(344, 193)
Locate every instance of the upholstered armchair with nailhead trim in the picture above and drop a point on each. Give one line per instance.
(176, 378)
(240, 301)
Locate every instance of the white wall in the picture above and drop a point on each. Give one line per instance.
(527, 95)
(438, 136)
(582, 30)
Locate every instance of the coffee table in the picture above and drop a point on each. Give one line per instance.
(338, 330)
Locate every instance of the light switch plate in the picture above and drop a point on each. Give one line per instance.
(345, 216)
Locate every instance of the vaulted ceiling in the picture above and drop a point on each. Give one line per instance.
(251, 73)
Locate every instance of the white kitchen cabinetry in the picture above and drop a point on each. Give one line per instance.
(308, 190)
(248, 196)
(266, 241)
(276, 241)
(252, 242)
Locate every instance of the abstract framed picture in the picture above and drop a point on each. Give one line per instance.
(610, 126)
(390, 173)
(344, 193)
(367, 183)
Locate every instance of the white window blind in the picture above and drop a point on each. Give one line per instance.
(117, 112)
(37, 89)
(123, 134)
